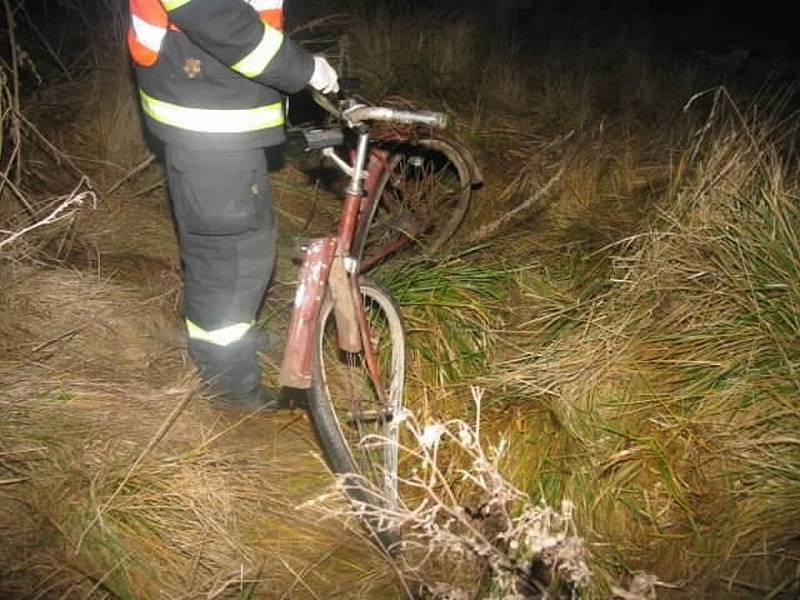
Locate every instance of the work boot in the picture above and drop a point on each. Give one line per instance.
(260, 400)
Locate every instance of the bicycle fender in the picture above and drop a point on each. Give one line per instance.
(296, 365)
(407, 135)
(347, 330)
(475, 175)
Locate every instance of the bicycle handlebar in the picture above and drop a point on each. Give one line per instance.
(360, 113)
(357, 114)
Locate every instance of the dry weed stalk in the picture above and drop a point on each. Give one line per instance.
(66, 207)
(12, 98)
(527, 206)
(16, 133)
(472, 519)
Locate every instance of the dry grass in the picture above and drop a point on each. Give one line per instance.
(672, 394)
(130, 491)
(457, 508)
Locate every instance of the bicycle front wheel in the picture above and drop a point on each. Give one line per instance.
(357, 425)
(422, 197)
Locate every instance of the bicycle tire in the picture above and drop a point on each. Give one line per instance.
(353, 436)
(422, 197)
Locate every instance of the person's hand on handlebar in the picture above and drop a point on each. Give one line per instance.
(324, 78)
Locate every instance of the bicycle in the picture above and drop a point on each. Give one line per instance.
(346, 341)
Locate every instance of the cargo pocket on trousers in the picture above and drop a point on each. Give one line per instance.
(220, 202)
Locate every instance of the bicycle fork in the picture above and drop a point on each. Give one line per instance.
(323, 268)
(318, 262)
(324, 265)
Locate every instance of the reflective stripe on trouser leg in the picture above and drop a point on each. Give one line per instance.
(225, 336)
(222, 207)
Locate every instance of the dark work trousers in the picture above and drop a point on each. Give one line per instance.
(223, 209)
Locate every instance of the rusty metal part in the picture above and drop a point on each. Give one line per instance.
(296, 364)
(407, 134)
(387, 250)
(347, 222)
(343, 307)
(369, 351)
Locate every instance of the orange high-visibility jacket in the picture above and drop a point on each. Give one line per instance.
(210, 72)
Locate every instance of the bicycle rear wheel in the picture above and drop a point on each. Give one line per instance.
(358, 428)
(423, 195)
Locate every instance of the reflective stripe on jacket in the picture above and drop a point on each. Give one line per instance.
(211, 72)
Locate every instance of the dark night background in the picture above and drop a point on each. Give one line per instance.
(668, 30)
(767, 29)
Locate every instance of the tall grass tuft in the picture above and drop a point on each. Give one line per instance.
(453, 312)
(669, 411)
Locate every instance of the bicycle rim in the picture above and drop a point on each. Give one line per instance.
(358, 431)
(423, 196)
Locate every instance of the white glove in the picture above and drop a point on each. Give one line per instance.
(324, 78)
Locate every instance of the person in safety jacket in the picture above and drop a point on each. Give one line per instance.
(211, 74)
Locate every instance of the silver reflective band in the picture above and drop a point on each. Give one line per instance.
(254, 63)
(219, 337)
(213, 120)
(266, 4)
(148, 35)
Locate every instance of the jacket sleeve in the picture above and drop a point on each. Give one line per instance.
(232, 31)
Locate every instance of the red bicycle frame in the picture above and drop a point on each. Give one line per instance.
(324, 265)
(327, 261)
